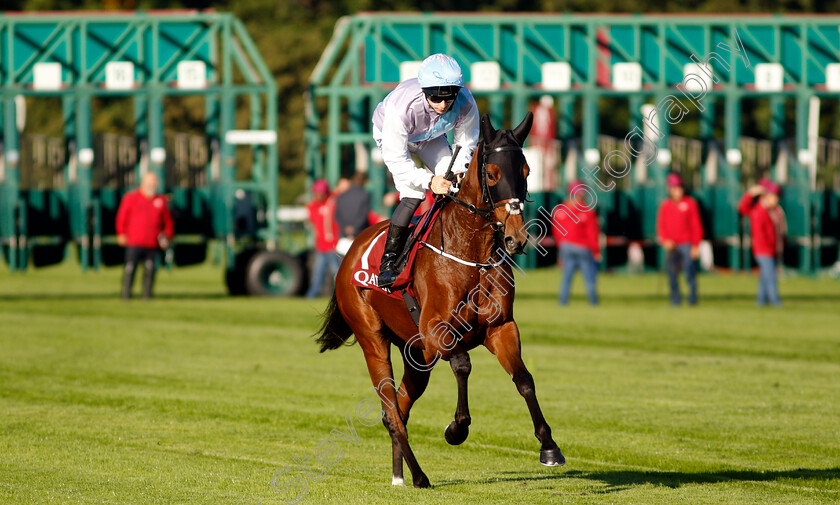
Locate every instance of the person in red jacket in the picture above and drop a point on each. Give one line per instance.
(761, 204)
(680, 231)
(579, 248)
(322, 216)
(144, 227)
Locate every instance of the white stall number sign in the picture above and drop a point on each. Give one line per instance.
(119, 75)
(486, 76)
(769, 77)
(832, 77)
(408, 70)
(627, 76)
(556, 76)
(46, 76)
(700, 77)
(192, 75)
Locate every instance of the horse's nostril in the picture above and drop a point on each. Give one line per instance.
(510, 242)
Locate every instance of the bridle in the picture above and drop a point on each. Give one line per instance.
(508, 192)
(491, 196)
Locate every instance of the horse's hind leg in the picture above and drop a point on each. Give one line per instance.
(377, 356)
(503, 341)
(414, 383)
(458, 430)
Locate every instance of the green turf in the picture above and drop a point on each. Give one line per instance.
(197, 398)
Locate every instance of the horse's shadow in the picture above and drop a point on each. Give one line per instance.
(620, 480)
(717, 297)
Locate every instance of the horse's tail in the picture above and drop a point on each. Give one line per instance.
(334, 330)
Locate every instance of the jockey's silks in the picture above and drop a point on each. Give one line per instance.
(404, 122)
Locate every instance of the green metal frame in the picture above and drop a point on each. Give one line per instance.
(360, 66)
(83, 43)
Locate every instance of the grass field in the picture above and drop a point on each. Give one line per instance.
(198, 398)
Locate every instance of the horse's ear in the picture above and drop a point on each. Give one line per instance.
(488, 133)
(521, 132)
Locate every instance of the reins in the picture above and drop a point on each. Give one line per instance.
(513, 205)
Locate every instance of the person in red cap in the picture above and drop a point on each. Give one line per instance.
(144, 227)
(322, 216)
(680, 231)
(767, 225)
(579, 248)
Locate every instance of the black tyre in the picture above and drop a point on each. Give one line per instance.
(189, 254)
(235, 277)
(274, 273)
(305, 259)
(46, 255)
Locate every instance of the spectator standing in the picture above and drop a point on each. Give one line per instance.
(341, 186)
(680, 231)
(579, 249)
(777, 214)
(322, 216)
(767, 224)
(144, 227)
(352, 207)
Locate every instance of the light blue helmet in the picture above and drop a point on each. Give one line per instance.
(440, 70)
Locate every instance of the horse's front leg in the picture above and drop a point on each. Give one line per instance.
(503, 341)
(458, 430)
(413, 385)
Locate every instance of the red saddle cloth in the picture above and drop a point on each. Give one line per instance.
(366, 270)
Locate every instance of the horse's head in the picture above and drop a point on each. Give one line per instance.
(499, 172)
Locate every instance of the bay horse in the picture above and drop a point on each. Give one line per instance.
(465, 294)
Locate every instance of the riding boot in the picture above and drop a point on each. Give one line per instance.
(128, 279)
(394, 244)
(148, 278)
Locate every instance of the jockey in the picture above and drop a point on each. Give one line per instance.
(414, 118)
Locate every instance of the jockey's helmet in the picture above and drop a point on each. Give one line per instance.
(440, 77)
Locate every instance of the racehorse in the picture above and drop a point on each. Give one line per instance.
(463, 285)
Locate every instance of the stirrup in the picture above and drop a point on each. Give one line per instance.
(387, 278)
(394, 244)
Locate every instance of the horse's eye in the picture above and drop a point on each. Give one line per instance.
(490, 176)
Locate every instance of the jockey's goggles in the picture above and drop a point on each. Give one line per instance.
(437, 94)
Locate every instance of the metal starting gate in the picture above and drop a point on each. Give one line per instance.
(65, 190)
(598, 66)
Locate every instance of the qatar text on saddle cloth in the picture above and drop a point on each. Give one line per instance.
(366, 269)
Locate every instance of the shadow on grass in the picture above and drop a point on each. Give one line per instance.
(619, 480)
(106, 296)
(704, 297)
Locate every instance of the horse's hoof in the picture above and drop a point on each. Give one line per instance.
(454, 434)
(422, 482)
(397, 481)
(552, 457)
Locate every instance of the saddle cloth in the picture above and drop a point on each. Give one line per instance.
(366, 269)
